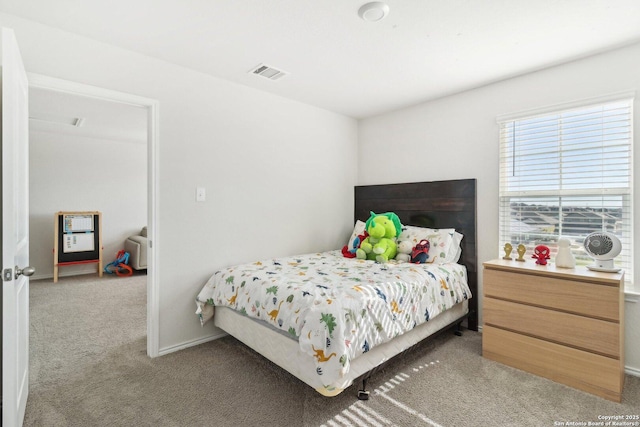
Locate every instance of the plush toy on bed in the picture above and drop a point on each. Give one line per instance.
(381, 244)
(351, 252)
(404, 251)
(420, 253)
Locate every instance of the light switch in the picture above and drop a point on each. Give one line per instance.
(201, 194)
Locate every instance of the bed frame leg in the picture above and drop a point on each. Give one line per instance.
(458, 329)
(364, 393)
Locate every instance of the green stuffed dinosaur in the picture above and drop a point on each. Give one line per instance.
(381, 244)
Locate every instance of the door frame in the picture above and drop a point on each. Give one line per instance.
(153, 131)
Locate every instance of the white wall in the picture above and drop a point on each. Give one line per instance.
(457, 137)
(76, 173)
(279, 174)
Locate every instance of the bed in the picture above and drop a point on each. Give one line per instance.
(331, 320)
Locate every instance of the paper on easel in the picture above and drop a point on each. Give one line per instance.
(78, 242)
(76, 223)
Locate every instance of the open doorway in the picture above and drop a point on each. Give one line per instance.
(85, 154)
(100, 147)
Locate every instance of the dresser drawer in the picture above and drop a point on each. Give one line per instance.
(595, 335)
(579, 297)
(586, 371)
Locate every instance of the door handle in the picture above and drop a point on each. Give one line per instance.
(27, 271)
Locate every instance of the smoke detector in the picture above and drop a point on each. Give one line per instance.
(268, 72)
(374, 11)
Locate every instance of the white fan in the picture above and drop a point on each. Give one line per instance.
(603, 247)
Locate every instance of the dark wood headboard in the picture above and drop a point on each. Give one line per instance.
(437, 204)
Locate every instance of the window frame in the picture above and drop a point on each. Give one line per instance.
(504, 212)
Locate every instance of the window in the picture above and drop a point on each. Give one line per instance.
(568, 173)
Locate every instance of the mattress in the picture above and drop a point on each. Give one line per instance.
(285, 351)
(334, 310)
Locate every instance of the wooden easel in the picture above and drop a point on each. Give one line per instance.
(77, 240)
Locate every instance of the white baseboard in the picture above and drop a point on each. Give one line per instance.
(632, 371)
(187, 344)
(69, 274)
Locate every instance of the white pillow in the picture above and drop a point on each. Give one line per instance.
(444, 242)
(358, 229)
(457, 240)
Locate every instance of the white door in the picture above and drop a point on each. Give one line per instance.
(15, 233)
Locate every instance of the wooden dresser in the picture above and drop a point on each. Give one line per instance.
(563, 324)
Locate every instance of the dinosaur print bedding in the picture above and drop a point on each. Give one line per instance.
(336, 308)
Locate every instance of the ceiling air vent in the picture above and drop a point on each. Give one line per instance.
(58, 120)
(268, 72)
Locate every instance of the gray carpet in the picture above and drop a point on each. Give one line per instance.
(89, 368)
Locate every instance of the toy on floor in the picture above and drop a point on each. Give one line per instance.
(119, 266)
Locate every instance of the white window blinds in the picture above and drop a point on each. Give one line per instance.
(568, 173)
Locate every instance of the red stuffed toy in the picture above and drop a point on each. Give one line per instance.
(351, 253)
(541, 254)
(420, 253)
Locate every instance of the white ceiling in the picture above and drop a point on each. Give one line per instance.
(55, 112)
(424, 49)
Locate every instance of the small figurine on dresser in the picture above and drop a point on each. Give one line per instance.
(507, 251)
(541, 254)
(565, 258)
(522, 249)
